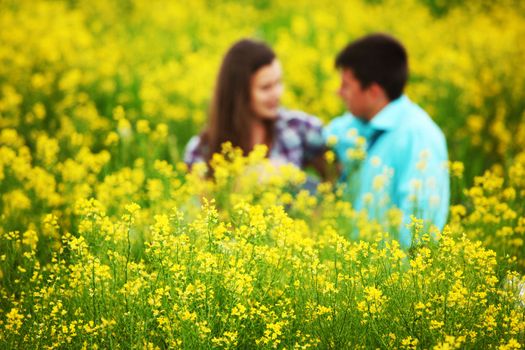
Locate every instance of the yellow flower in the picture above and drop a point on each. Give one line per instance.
(330, 157)
(331, 140)
(111, 139)
(30, 238)
(456, 169)
(14, 320)
(143, 126)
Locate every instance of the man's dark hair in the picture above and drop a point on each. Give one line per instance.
(377, 58)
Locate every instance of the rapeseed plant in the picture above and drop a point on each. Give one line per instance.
(107, 241)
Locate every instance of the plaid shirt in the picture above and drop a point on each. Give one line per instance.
(298, 139)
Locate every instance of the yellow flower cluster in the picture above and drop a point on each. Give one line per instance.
(252, 272)
(494, 212)
(107, 240)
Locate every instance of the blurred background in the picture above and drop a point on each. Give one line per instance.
(111, 74)
(94, 86)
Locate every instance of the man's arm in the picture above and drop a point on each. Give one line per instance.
(422, 182)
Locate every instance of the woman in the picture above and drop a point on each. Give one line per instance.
(246, 111)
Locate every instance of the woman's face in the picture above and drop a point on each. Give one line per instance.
(266, 90)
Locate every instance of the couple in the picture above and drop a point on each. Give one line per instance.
(405, 153)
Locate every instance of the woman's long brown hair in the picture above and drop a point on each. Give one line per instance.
(231, 113)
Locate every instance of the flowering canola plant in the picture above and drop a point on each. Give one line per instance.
(107, 240)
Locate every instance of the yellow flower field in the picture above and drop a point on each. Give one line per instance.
(108, 241)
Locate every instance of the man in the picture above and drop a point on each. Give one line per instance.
(392, 153)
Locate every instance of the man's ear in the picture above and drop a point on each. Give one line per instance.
(377, 91)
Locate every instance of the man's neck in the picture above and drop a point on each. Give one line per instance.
(376, 108)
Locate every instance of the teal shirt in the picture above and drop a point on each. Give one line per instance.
(405, 164)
